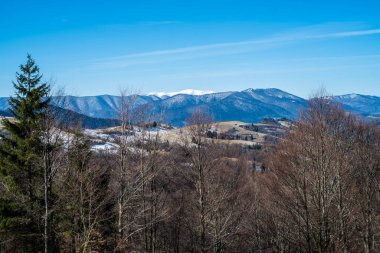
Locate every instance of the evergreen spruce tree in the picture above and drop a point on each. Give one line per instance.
(21, 176)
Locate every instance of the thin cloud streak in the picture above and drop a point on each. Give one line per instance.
(164, 22)
(228, 48)
(153, 59)
(358, 33)
(248, 72)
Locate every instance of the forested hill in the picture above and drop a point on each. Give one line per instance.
(73, 119)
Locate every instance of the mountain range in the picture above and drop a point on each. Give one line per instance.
(250, 105)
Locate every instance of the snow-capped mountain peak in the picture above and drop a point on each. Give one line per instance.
(185, 92)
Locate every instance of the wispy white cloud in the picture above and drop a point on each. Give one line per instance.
(225, 73)
(163, 22)
(356, 33)
(178, 54)
(222, 48)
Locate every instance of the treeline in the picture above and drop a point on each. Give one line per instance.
(324, 184)
(318, 193)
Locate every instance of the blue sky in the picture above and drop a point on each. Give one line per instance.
(98, 47)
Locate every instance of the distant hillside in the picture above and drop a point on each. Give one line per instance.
(368, 106)
(5, 113)
(73, 119)
(103, 106)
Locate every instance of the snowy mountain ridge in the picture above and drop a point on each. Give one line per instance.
(184, 92)
(250, 105)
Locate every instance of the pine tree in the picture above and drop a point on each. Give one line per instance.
(21, 177)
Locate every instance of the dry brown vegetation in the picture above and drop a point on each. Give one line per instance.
(318, 190)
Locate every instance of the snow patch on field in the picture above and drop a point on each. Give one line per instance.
(104, 147)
